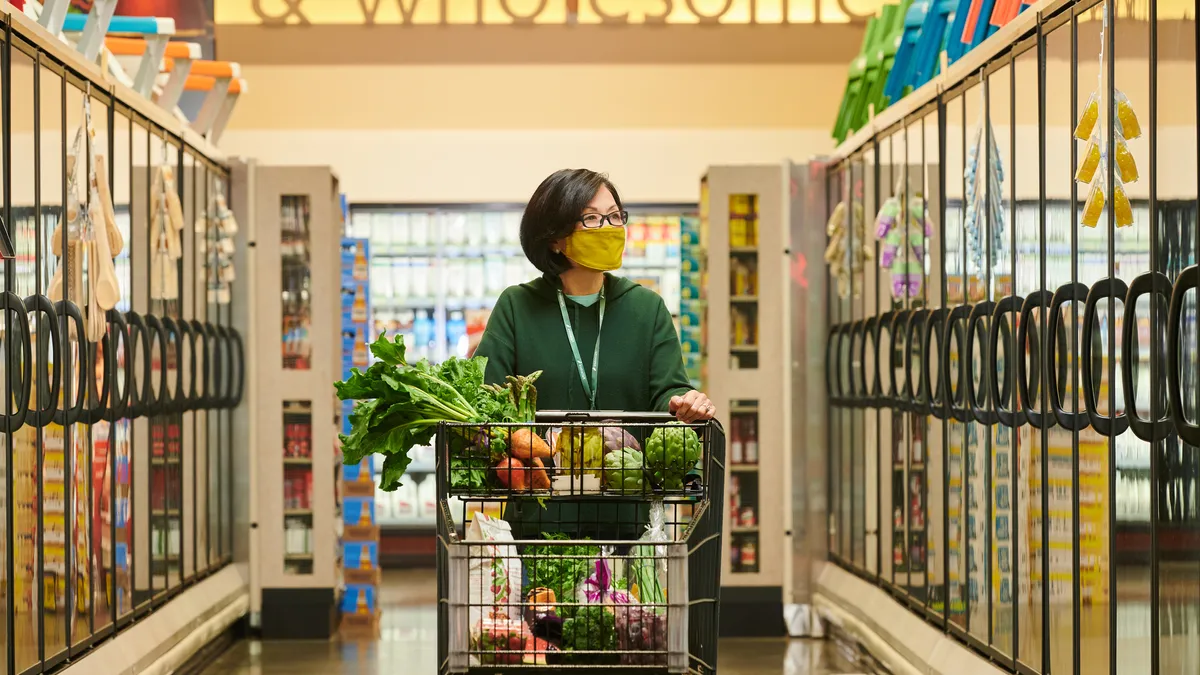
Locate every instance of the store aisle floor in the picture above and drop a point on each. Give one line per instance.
(408, 644)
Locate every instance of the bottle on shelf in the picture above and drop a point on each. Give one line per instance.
(737, 448)
(749, 555)
(750, 430)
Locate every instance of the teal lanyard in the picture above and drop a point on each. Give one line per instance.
(589, 388)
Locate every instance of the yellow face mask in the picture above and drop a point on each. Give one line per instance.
(598, 249)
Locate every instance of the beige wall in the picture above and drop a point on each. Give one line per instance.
(450, 133)
(447, 130)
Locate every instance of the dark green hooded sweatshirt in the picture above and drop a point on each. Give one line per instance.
(641, 368)
(641, 364)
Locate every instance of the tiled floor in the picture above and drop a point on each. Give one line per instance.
(408, 644)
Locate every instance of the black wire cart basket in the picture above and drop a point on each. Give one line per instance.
(583, 542)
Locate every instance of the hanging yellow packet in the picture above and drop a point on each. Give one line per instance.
(1094, 206)
(1126, 166)
(1089, 161)
(1088, 117)
(1127, 120)
(1122, 210)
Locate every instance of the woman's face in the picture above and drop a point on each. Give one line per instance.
(603, 204)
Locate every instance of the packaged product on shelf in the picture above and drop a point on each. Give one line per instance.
(358, 599)
(358, 511)
(358, 473)
(476, 285)
(362, 555)
(749, 559)
(474, 229)
(493, 274)
(381, 282)
(656, 242)
(405, 502)
(410, 230)
(454, 229)
(750, 432)
(384, 506)
(419, 279)
(512, 227)
(401, 273)
(514, 271)
(493, 229)
(382, 232)
(736, 446)
(360, 225)
(427, 493)
(746, 517)
(494, 571)
(457, 341)
(456, 278)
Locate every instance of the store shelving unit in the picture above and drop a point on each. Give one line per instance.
(292, 224)
(749, 378)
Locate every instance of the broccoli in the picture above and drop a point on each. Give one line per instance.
(671, 452)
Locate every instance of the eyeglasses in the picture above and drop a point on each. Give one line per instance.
(594, 220)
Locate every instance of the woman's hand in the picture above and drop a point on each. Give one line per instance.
(693, 406)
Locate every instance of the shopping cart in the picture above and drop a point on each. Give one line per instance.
(603, 555)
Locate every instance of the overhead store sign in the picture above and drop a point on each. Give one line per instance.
(549, 12)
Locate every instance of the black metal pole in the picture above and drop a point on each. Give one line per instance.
(10, 521)
(1010, 367)
(1157, 263)
(39, 460)
(1042, 365)
(1076, 602)
(1110, 21)
(943, 138)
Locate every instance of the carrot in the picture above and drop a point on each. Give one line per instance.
(540, 480)
(511, 473)
(524, 444)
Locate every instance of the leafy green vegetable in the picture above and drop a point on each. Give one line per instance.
(399, 405)
(623, 470)
(560, 568)
(593, 628)
(671, 452)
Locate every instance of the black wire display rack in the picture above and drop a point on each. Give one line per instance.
(603, 556)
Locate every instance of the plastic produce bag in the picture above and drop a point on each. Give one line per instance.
(598, 589)
(494, 571)
(643, 627)
(1089, 161)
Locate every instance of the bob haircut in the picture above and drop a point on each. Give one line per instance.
(552, 212)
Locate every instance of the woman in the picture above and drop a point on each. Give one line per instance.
(601, 342)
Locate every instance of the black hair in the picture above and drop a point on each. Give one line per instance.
(552, 212)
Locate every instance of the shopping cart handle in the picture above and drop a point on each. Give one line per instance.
(552, 416)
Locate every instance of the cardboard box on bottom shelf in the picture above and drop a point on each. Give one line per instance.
(358, 513)
(360, 607)
(361, 555)
(361, 624)
(362, 577)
